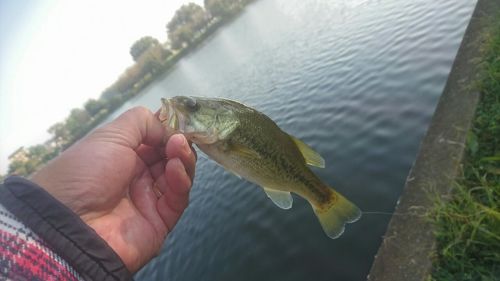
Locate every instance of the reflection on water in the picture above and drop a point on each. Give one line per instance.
(356, 80)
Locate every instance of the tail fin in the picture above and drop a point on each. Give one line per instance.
(334, 217)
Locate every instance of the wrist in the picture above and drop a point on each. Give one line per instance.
(62, 230)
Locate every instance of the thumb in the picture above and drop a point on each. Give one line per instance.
(135, 127)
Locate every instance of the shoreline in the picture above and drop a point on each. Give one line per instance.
(409, 243)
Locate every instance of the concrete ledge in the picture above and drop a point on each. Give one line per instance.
(405, 253)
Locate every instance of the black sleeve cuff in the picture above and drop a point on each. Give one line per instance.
(62, 230)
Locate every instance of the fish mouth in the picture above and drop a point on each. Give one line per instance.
(169, 116)
(174, 117)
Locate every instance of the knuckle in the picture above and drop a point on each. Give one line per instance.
(138, 111)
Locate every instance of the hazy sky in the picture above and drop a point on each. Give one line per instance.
(54, 55)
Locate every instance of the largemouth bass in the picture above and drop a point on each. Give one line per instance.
(250, 145)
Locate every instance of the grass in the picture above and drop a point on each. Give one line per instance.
(468, 222)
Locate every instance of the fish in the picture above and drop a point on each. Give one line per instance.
(250, 145)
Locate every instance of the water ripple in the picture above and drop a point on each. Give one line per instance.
(356, 80)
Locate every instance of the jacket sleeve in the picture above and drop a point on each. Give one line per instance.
(42, 239)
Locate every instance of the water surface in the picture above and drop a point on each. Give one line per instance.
(356, 80)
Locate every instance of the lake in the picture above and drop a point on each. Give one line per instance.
(356, 80)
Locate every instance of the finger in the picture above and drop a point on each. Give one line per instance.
(158, 169)
(150, 155)
(175, 199)
(178, 185)
(178, 147)
(158, 173)
(143, 196)
(134, 127)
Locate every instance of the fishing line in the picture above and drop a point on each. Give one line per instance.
(410, 213)
(378, 213)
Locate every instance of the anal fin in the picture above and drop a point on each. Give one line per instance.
(282, 199)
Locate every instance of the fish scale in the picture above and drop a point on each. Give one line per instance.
(284, 154)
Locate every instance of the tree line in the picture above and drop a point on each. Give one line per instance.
(190, 25)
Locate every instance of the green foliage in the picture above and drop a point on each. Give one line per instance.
(151, 61)
(93, 106)
(59, 133)
(109, 93)
(140, 46)
(223, 8)
(76, 118)
(188, 14)
(188, 20)
(181, 37)
(26, 161)
(469, 231)
(468, 225)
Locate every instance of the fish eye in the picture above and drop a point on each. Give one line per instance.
(191, 104)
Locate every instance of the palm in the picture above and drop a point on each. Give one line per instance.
(129, 221)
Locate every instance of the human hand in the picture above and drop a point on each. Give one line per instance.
(118, 180)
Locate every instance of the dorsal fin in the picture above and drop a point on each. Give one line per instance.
(312, 157)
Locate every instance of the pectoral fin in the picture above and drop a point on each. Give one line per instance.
(282, 199)
(243, 151)
(312, 157)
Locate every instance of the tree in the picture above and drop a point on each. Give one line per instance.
(40, 154)
(76, 121)
(109, 93)
(128, 78)
(224, 8)
(151, 60)
(93, 106)
(213, 7)
(181, 36)
(35, 156)
(187, 21)
(60, 134)
(140, 46)
(37, 151)
(21, 168)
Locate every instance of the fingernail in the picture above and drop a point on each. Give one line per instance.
(186, 146)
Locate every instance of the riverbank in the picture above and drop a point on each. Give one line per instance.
(444, 247)
(468, 223)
